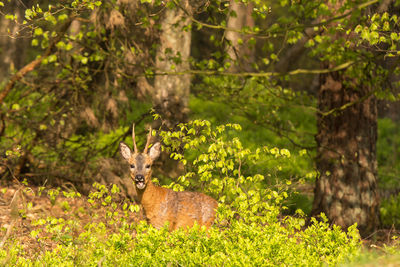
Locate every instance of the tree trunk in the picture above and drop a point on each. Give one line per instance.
(12, 46)
(346, 189)
(171, 92)
(240, 52)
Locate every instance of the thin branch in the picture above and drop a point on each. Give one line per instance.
(247, 74)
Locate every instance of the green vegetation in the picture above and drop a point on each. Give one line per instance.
(240, 244)
(249, 112)
(249, 229)
(389, 170)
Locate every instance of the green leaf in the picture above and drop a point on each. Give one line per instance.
(115, 189)
(9, 16)
(28, 14)
(52, 58)
(15, 106)
(62, 17)
(385, 16)
(38, 31)
(35, 42)
(394, 36)
(42, 127)
(358, 29)
(60, 45)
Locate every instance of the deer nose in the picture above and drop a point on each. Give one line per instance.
(139, 178)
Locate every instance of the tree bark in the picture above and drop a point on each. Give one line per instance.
(171, 92)
(346, 189)
(12, 46)
(239, 53)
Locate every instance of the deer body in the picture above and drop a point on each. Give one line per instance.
(161, 205)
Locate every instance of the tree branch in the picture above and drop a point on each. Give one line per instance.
(249, 74)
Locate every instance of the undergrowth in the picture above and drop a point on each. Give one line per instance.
(238, 244)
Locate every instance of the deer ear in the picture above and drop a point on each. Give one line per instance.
(155, 151)
(125, 150)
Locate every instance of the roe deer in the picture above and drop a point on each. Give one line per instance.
(160, 205)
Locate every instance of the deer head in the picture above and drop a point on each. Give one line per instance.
(140, 163)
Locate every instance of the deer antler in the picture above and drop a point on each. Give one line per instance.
(133, 138)
(148, 141)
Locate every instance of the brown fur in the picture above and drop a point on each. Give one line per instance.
(180, 209)
(161, 205)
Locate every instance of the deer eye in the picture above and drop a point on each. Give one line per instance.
(132, 166)
(147, 166)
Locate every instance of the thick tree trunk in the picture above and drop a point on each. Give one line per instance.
(171, 92)
(346, 189)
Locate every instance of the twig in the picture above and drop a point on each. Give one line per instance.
(347, 105)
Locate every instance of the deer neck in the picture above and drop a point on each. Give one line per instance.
(149, 196)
